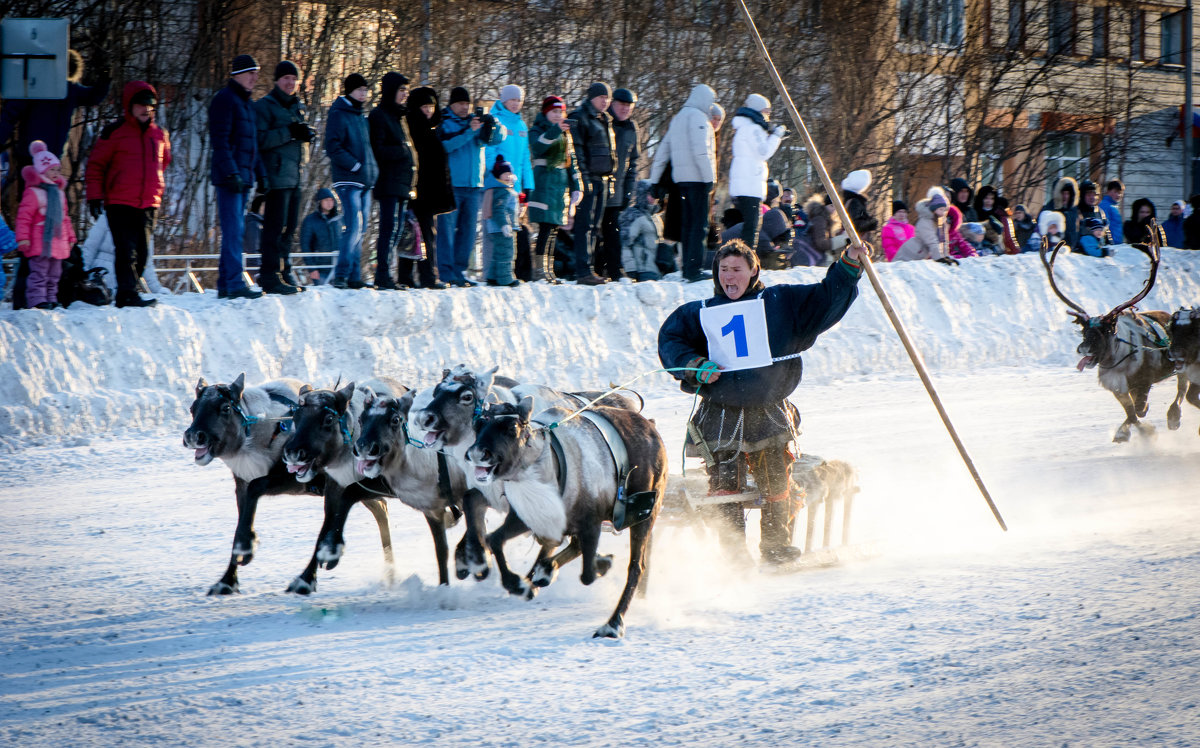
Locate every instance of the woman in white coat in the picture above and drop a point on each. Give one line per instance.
(754, 141)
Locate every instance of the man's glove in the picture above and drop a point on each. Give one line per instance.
(708, 372)
(301, 132)
(780, 132)
(235, 183)
(96, 208)
(947, 260)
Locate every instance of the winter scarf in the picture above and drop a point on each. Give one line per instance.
(753, 116)
(54, 216)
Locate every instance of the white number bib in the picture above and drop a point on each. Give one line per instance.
(737, 334)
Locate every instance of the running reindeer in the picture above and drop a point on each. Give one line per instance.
(245, 427)
(1127, 346)
(564, 476)
(1185, 356)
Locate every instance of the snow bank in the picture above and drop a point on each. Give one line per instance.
(86, 370)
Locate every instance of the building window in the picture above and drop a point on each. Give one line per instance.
(1100, 31)
(1062, 27)
(1066, 156)
(932, 21)
(1016, 24)
(1137, 36)
(1172, 39)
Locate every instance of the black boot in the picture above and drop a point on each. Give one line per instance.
(776, 532)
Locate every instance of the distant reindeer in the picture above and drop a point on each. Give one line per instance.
(1128, 347)
(1185, 357)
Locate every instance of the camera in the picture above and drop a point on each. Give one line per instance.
(479, 112)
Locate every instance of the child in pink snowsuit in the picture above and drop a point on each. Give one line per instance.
(44, 231)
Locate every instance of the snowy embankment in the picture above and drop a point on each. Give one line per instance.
(85, 370)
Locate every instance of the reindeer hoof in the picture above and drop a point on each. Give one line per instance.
(603, 564)
(610, 630)
(301, 587)
(1121, 437)
(221, 588)
(329, 556)
(543, 574)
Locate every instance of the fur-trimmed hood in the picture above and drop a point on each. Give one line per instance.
(1059, 186)
(1048, 217)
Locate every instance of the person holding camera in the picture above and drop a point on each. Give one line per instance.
(283, 138)
(233, 135)
(465, 136)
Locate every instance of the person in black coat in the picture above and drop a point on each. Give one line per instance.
(1137, 228)
(744, 418)
(435, 195)
(393, 149)
(1191, 225)
(625, 136)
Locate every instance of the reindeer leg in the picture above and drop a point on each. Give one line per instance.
(1141, 401)
(244, 540)
(589, 543)
(305, 582)
(639, 542)
(512, 527)
(379, 510)
(470, 556)
(1131, 419)
(332, 543)
(1175, 413)
(644, 586)
(1193, 394)
(441, 549)
(545, 569)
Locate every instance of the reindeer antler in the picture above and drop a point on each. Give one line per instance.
(1077, 310)
(1151, 250)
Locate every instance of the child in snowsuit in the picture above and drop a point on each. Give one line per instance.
(1092, 242)
(897, 230)
(641, 231)
(1050, 223)
(503, 209)
(973, 233)
(44, 231)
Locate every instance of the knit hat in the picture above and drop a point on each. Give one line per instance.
(898, 205)
(1086, 186)
(421, 97)
(598, 89)
(858, 181)
(353, 82)
(510, 92)
(43, 159)
(1022, 209)
(553, 102)
(286, 67)
(972, 229)
(625, 95)
(458, 93)
(501, 167)
(243, 64)
(937, 200)
(772, 190)
(717, 112)
(1093, 223)
(757, 102)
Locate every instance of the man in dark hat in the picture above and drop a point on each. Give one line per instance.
(233, 133)
(283, 138)
(626, 135)
(595, 158)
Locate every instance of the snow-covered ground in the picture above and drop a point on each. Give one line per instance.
(1076, 627)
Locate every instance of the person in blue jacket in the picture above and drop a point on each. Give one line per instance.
(515, 150)
(353, 169)
(1111, 205)
(233, 134)
(744, 419)
(465, 135)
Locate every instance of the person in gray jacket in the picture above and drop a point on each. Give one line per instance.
(354, 171)
(321, 233)
(690, 147)
(283, 138)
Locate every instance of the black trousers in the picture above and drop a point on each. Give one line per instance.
(281, 213)
(130, 229)
(750, 208)
(523, 265)
(427, 269)
(588, 217)
(608, 253)
(391, 226)
(693, 198)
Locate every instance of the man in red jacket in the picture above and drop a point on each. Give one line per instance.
(125, 180)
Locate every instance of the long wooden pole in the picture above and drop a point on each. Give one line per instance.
(836, 196)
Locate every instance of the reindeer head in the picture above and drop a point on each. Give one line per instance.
(1100, 333)
(320, 431)
(1184, 333)
(218, 420)
(502, 435)
(446, 416)
(383, 432)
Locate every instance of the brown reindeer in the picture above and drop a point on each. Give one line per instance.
(1128, 347)
(1185, 356)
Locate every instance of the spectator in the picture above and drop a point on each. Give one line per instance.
(959, 247)
(1024, 227)
(283, 138)
(773, 245)
(1089, 205)
(961, 196)
(435, 195)
(501, 207)
(787, 202)
(824, 224)
(44, 232)
(973, 233)
(984, 202)
(465, 135)
(558, 189)
(252, 234)
(515, 148)
(897, 230)
(321, 233)
(98, 250)
(641, 232)
(690, 148)
(930, 240)
(1050, 223)
(716, 116)
(1173, 226)
(1066, 201)
(854, 191)
(233, 134)
(125, 180)
(1137, 228)
(1111, 205)
(625, 131)
(393, 149)
(1094, 240)
(1008, 243)
(1191, 225)
(354, 172)
(754, 143)
(595, 141)
(8, 243)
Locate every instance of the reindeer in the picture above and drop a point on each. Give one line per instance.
(564, 481)
(1127, 346)
(1184, 353)
(245, 427)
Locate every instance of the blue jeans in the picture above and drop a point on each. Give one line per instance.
(456, 234)
(356, 206)
(231, 210)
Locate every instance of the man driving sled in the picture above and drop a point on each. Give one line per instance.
(746, 342)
